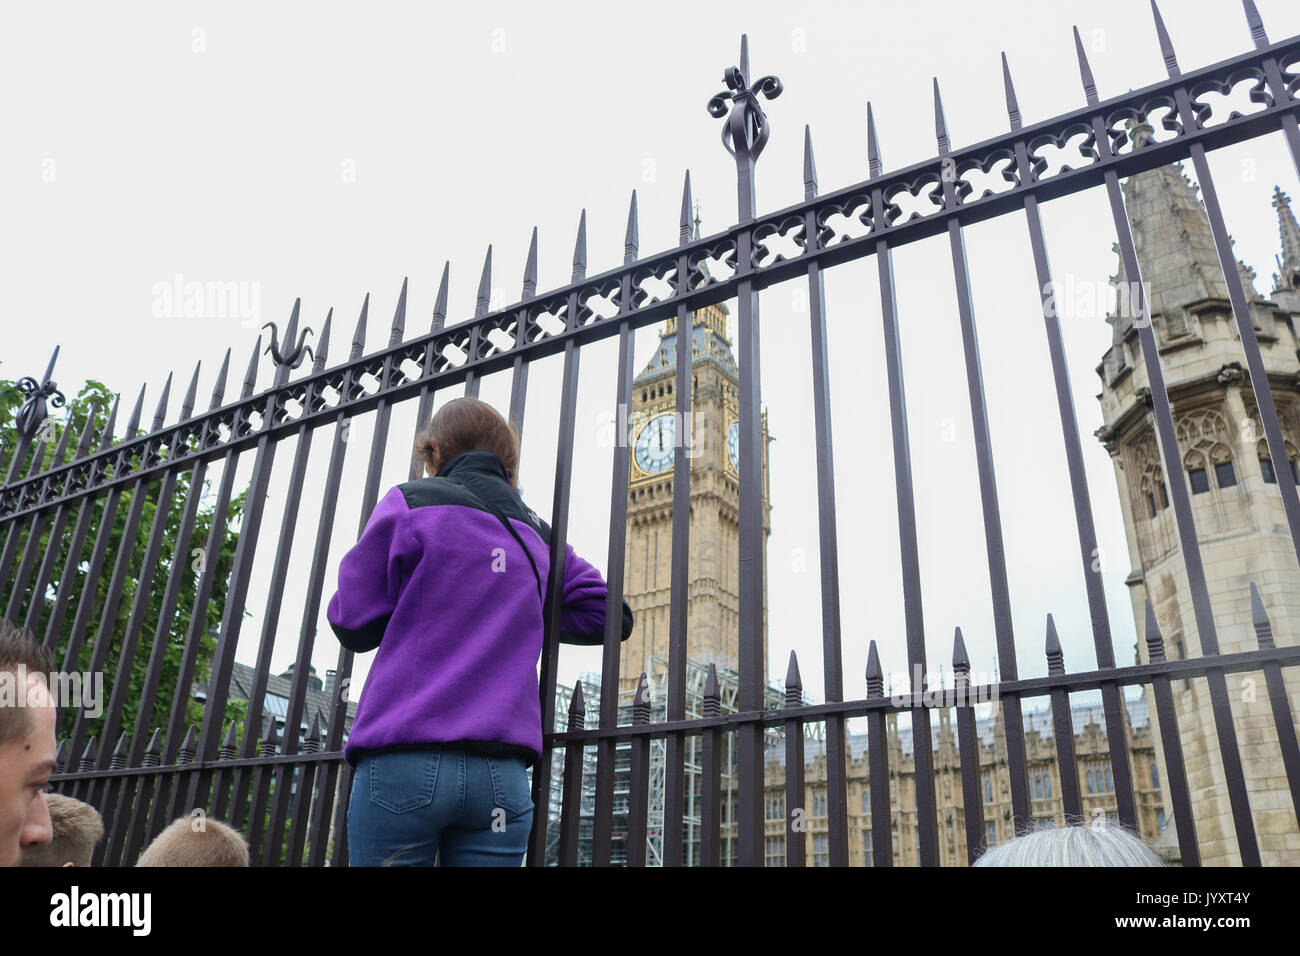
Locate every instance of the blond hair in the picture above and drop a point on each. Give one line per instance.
(196, 841)
(76, 828)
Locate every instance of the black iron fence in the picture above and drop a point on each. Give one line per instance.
(290, 794)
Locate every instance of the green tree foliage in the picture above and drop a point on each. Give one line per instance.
(94, 402)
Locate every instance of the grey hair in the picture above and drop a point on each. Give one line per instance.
(1080, 845)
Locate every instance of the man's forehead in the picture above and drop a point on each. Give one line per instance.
(38, 691)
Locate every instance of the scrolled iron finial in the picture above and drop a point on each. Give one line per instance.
(747, 123)
(294, 357)
(33, 415)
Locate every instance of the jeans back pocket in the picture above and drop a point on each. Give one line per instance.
(403, 780)
(511, 790)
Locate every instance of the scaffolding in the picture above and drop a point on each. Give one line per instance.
(657, 677)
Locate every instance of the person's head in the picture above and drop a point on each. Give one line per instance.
(196, 841)
(462, 425)
(1080, 845)
(77, 828)
(27, 722)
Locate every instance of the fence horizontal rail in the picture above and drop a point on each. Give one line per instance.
(973, 694)
(712, 292)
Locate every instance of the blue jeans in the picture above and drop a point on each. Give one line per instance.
(411, 806)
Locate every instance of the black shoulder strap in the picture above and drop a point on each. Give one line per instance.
(511, 528)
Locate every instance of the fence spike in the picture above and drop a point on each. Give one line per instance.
(88, 755)
(641, 703)
(1055, 656)
(49, 369)
(359, 336)
(632, 239)
(580, 249)
(744, 55)
(440, 301)
(106, 437)
(712, 695)
(153, 752)
(577, 708)
(940, 125)
(83, 443)
(530, 268)
(250, 376)
(684, 227)
(399, 317)
(291, 332)
(1013, 107)
(227, 750)
(809, 166)
(191, 393)
(1256, 24)
(61, 450)
(219, 389)
(1155, 642)
(960, 659)
(312, 741)
(875, 682)
(484, 286)
(61, 756)
(323, 343)
(793, 683)
(133, 423)
(1085, 71)
(187, 745)
(1166, 45)
(1259, 618)
(161, 413)
(873, 145)
(270, 740)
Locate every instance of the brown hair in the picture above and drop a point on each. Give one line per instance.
(216, 844)
(18, 648)
(76, 828)
(462, 425)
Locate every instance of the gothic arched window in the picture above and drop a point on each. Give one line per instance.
(1196, 474)
(1266, 463)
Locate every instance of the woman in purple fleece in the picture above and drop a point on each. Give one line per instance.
(447, 583)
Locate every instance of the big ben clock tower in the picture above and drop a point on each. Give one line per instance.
(712, 450)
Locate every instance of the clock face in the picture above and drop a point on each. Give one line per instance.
(733, 445)
(654, 446)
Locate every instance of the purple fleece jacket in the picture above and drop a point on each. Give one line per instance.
(451, 601)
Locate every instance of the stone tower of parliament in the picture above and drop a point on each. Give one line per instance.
(1237, 508)
(711, 442)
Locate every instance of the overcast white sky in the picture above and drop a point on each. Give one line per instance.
(327, 150)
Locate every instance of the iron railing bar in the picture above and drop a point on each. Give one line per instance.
(602, 824)
(558, 547)
(307, 629)
(679, 572)
(972, 798)
(223, 657)
(994, 546)
(907, 532)
(1175, 771)
(106, 633)
(837, 823)
(1191, 553)
(19, 592)
(343, 669)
